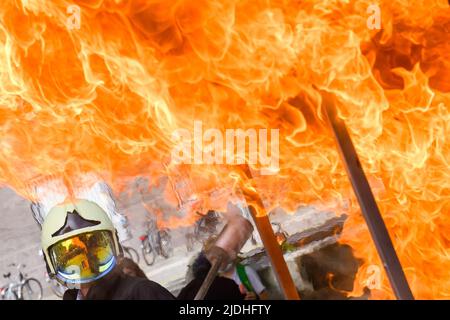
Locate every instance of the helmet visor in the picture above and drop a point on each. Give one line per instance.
(83, 258)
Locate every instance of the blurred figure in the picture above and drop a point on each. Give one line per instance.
(130, 268)
(245, 277)
(331, 272)
(248, 280)
(221, 289)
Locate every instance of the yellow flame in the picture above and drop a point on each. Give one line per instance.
(106, 97)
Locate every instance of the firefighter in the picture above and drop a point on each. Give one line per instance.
(81, 250)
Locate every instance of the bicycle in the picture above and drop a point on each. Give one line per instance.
(131, 253)
(155, 242)
(24, 289)
(204, 228)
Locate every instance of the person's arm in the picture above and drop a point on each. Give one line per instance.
(149, 290)
(189, 291)
(264, 295)
(257, 284)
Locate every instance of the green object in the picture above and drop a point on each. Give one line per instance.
(243, 277)
(287, 247)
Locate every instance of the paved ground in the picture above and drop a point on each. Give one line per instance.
(20, 239)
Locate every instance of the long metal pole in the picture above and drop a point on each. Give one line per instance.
(367, 201)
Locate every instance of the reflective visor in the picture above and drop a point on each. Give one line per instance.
(83, 258)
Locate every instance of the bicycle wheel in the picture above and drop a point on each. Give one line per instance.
(148, 253)
(132, 254)
(166, 244)
(31, 290)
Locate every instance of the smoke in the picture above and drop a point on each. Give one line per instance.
(91, 188)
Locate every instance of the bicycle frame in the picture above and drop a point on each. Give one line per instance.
(207, 224)
(14, 290)
(154, 239)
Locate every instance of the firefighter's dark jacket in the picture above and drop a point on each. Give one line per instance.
(118, 286)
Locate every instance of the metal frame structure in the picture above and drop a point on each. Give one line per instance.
(366, 200)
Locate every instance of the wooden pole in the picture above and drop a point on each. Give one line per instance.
(272, 247)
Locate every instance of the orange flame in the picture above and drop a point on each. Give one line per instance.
(106, 98)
